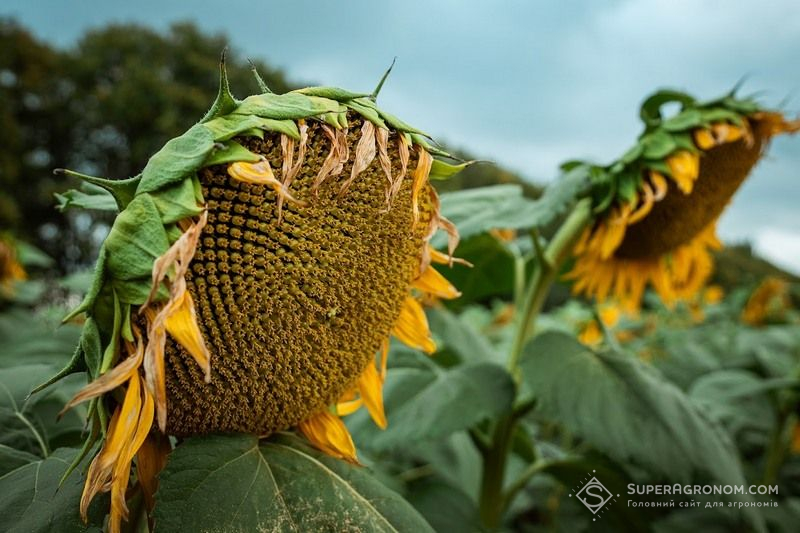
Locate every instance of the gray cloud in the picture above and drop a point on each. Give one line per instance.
(527, 84)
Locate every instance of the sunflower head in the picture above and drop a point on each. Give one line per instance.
(656, 207)
(256, 270)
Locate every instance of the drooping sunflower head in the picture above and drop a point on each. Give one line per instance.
(255, 272)
(657, 206)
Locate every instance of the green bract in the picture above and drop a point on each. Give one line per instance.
(619, 181)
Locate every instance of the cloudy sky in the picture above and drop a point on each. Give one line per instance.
(527, 84)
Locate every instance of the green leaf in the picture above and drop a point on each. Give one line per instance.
(445, 507)
(367, 109)
(478, 210)
(658, 145)
(136, 291)
(136, 240)
(177, 160)
(224, 102)
(331, 93)
(460, 337)
(492, 262)
(650, 111)
(88, 197)
(27, 338)
(442, 171)
(230, 483)
(11, 459)
(230, 152)
(690, 118)
(289, 106)
(176, 202)
(29, 422)
(31, 500)
(627, 410)
(739, 400)
(432, 403)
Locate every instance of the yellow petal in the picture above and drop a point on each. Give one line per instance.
(370, 386)
(685, 167)
(111, 379)
(411, 327)
(647, 204)
(384, 357)
(348, 407)
(420, 178)
(328, 433)
(614, 234)
(704, 139)
(433, 282)
(726, 133)
(150, 460)
(441, 258)
(591, 334)
(261, 174)
(181, 324)
(609, 315)
(659, 185)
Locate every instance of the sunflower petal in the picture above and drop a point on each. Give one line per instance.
(328, 433)
(431, 281)
(181, 324)
(411, 327)
(370, 386)
(420, 178)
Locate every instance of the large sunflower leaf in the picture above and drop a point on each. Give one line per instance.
(627, 410)
(31, 500)
(231, 483)
(30, 422)
(431, 403)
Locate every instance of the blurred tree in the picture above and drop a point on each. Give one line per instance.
(103, 108)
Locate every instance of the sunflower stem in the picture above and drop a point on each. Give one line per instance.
(493, 499)
(545, 274)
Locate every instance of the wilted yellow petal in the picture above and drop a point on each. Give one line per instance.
(659, 185)
(370, 386)
(328, 433)
(431, 281)
(181, 324)
(420, 177)
(411, 327)
(111, 379)
(150, 460)
(365, 153)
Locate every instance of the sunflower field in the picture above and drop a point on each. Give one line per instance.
(299, 319)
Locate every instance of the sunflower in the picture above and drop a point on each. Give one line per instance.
(768, 302)
(657, 206)
(11, 270)
(253, 277)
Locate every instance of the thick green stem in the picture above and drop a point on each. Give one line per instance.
(549, 264)
(493, 499)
